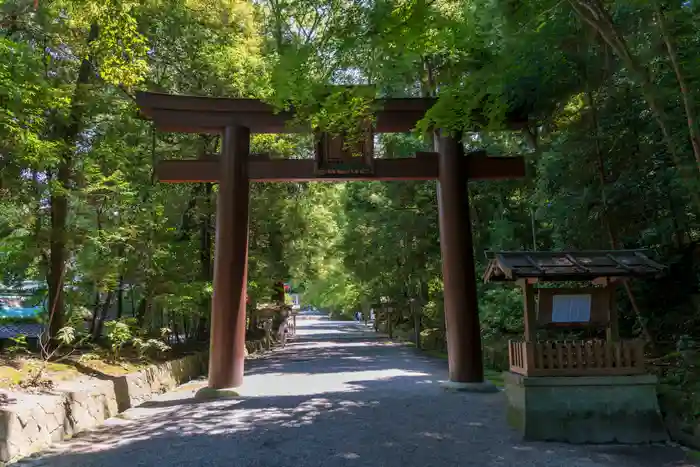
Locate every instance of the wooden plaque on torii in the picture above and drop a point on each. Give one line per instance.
(340, 156)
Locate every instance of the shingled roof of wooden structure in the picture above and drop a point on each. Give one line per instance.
(570, 265)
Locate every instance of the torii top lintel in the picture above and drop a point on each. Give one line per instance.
(195, 114)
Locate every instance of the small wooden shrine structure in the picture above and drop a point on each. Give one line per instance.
(572, 308)
(590, 390)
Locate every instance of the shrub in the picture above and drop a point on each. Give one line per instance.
(118, 334)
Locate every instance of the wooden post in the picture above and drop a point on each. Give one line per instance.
(228, 312)
(530, 310)
(612, 332)
(390, 328)
(464, 352)
(278, 292)
(530, 325)
(416, 311)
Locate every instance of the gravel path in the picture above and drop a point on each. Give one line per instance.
(338, 396)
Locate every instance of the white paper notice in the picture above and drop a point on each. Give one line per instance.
(571, 308)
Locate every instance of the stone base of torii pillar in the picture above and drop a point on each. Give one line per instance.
(454, 386)
(208, 393)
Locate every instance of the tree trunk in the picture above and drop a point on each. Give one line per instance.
(59, 197)
(685, 92)
(99, 322)
(186, 219)
(646, 335)
(120, 297)
(132, 296)
(206, 263)
(253, 315)
(144, 304)
(416, 309)
(597, 16)
(95, 312)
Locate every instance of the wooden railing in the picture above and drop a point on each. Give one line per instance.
(576, 358)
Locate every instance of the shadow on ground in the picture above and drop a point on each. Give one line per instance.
(334, 356)
(333, 403)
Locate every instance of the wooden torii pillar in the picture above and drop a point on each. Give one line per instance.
(228, 317)
(464, 353)
(235, 167)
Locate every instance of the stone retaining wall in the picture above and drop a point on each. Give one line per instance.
(30, 423)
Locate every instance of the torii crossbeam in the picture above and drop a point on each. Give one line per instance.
(235, 168)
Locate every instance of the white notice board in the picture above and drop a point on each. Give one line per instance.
(571, 308)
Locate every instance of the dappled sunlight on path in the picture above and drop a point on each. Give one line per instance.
(323, 401)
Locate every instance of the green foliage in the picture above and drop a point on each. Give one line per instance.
(89, 357)
(126, 331)
(19, 345)
(146, 347)
(66, 335)
(23, 320)
(501, 312)
(119, 333)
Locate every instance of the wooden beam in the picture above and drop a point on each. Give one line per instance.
(157, 100)
(154, 100)
(424, 167)
(196, 114)
(195, 121)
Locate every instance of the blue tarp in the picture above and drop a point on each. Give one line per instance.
(19, 312)
(8, 331)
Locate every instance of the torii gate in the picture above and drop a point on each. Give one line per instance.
(235, 167)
